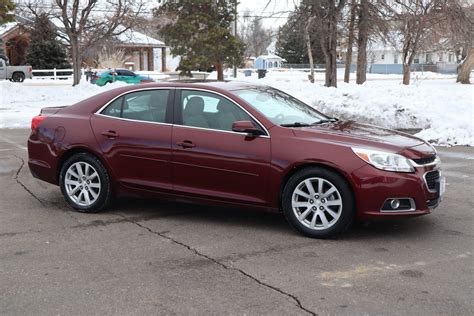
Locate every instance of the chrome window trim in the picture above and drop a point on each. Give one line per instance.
(172, 124)
(435, 162)
(219, 130)
(411, 209)
(238, 105)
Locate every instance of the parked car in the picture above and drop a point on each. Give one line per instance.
(234, 144)
(111, 75)
(14, 73)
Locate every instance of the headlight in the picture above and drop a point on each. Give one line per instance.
(384, 160)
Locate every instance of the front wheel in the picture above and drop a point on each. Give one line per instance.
(85, 183)
(318, 202)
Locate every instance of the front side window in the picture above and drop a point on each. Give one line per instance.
(209, 110)
(279, 107)
(123, 72)
(149, 106)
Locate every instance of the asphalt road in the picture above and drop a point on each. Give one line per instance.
(151, 257)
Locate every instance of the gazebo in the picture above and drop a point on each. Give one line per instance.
(141, 50)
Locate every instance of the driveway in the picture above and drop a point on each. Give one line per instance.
(152, 257)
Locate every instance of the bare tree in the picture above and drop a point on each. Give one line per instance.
(307, 28)
(362, 39)
(256, 37)
(350, 40)
(459, 27)
(414, 21)
(84, 26)
(326, 14)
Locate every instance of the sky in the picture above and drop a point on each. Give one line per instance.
(273, 12)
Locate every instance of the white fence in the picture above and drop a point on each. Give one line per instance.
(54, 74)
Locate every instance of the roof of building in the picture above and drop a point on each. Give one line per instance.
(4, 28)
(128, 38)
(135, 38)
(270, 56)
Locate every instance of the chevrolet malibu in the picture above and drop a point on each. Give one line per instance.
(236, 144)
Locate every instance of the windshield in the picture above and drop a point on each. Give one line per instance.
(280, 108)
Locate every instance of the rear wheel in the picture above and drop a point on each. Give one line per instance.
(18, 77)
(85, 183)
(318, 202)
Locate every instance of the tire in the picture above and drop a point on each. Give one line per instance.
(18, 77)
(327, 212)
(87, 190)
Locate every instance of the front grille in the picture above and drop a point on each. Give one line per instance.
(425, 161)
(432, 178)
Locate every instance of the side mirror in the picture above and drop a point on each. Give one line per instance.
(246, 127)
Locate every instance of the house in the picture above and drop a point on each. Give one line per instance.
(15, 39)
(142, 52)
(268, 61)
(385, 58)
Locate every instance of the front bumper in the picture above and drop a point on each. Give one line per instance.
(373, 187)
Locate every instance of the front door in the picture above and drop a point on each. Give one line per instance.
(209, 159)
(134, 134)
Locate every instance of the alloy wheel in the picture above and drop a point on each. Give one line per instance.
(82, 183)
(316, 203)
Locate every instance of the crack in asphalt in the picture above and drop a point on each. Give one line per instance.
(43, 203)
(17, 179)
(225, 266)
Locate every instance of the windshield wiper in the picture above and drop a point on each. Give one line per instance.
(330, 120)
(295, 124)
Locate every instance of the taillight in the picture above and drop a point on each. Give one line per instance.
(36, 121)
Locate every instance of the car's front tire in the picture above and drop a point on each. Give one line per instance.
(318, 202)
(85, 183)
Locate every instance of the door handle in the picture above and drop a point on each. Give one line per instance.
(110, 134)
(186, 144)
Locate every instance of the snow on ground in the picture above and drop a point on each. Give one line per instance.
(19, 102)
(436, 104)
(433, 102)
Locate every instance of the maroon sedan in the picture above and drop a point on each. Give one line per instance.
(236, 144)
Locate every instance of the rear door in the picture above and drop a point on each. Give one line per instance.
(134, 134)
(209, 159)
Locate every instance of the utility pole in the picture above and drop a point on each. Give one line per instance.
(235, 34)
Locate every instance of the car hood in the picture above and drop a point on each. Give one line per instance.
(368, 136)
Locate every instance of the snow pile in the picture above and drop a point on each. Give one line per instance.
(19, 102)
(442, 108)
(438, 106)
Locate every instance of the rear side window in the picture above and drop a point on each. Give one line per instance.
(114, 108)
(148, 106)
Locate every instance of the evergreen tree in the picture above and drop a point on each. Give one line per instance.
(44, 50)
(6, 15)
(291, 44)
(200, 32)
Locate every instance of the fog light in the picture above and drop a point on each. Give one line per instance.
(394, 204)
(398, 205)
